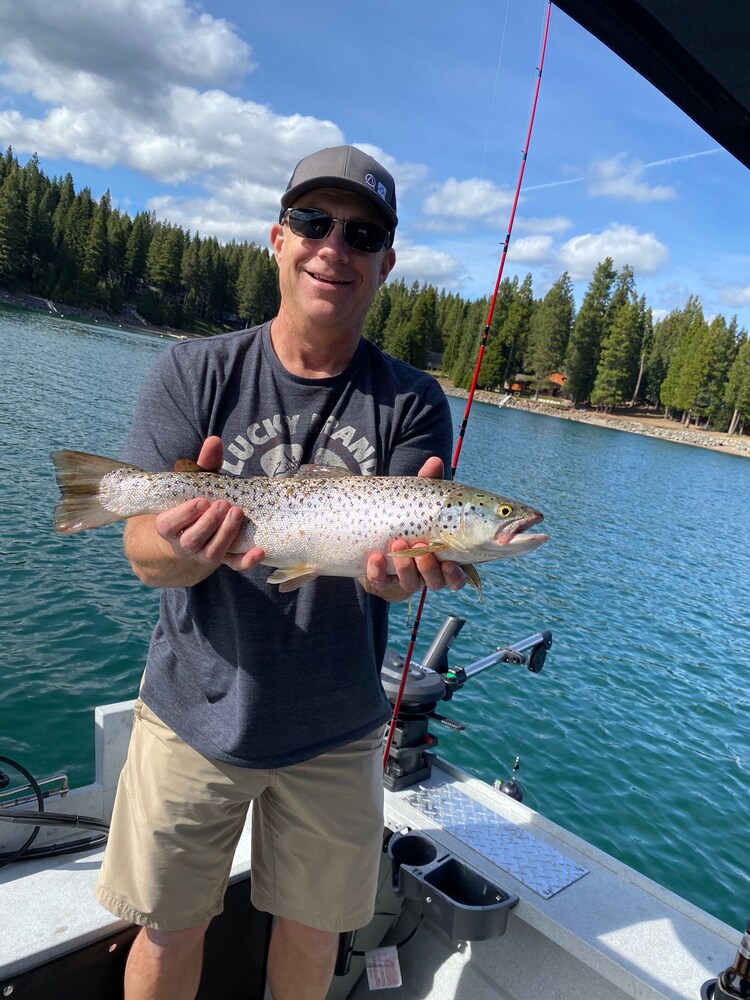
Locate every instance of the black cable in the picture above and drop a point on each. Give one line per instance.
(40, 818)
(6, 859)
(67, 847)
(27, 817)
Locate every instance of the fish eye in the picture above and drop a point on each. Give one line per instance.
(505, 510)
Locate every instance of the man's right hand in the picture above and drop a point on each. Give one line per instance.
(183, 545)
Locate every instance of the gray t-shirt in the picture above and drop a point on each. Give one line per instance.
(243, 673)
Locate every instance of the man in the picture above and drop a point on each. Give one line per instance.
(250, 694)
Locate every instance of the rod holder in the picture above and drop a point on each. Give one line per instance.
(455, 897)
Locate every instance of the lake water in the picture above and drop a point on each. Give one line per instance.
(636, 735)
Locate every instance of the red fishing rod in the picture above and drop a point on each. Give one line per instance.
(477, 367)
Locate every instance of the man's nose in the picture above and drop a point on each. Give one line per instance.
(335, 241)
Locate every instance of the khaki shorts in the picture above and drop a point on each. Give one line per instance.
(317, 832)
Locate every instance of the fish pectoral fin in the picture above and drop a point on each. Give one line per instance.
(187, 465)
(421, 550)
(321, 472)
(473, 578)
(292, 578)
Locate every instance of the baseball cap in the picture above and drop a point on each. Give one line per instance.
(348, 168)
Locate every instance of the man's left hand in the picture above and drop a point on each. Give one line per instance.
(411, 573)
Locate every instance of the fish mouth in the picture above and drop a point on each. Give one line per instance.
(515, 536)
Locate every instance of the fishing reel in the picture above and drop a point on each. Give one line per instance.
(433, 680)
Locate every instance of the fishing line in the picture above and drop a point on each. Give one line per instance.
(494, 88)
(477, 367)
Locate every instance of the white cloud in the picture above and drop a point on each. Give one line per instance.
(614, 178)
(217, 217)
(467, 201)
(406, 175)
(68, 51)
(624, 244)
(421, 263)
(736, 297)
(554, 225)
(530, 249)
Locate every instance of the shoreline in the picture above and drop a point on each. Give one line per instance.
(634, 422)
(638, 422)
(129, 318)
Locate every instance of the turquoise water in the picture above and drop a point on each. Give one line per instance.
(636, 735)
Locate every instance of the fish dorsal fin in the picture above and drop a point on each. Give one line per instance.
(187, 465)
(321, 472)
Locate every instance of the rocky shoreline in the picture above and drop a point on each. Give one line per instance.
(652, 426)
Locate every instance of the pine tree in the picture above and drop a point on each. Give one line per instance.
(165, 258)
(507, 349)
(737, 392)
(402, 303)
(95, 263)
(418, 332)
(722, 348)
(137, 250)
(551, 324)
(118, 230)
(12, 229)
(614, 373)
(191, 272)
(588, 332)
(377, 316)
(7, 163)
(495, 359)
(464, 359)
(686, 368)
(644, 348)
(257, 297)
(451, 310)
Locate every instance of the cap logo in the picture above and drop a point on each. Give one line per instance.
(382, 191)
(370, 181)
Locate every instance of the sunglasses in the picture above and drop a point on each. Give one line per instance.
(311, 224)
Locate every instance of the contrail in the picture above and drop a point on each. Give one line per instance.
(554, 184)
(645, 166)
(687, 156)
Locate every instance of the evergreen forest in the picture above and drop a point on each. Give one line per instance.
(61, 244)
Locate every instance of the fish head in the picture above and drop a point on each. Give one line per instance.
(486, 526)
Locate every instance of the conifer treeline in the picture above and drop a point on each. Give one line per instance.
(64, 245)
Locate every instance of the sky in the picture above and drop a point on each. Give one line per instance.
(199, 112)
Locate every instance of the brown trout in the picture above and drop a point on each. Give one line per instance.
(321, 521)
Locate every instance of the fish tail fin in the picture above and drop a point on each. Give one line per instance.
(79, 476)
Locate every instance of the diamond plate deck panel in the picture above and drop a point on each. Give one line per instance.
(533, 862)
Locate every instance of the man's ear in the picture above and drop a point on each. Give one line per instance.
(277, 238)
(387, 264)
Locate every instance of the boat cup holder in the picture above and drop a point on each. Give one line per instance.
(455, 897)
